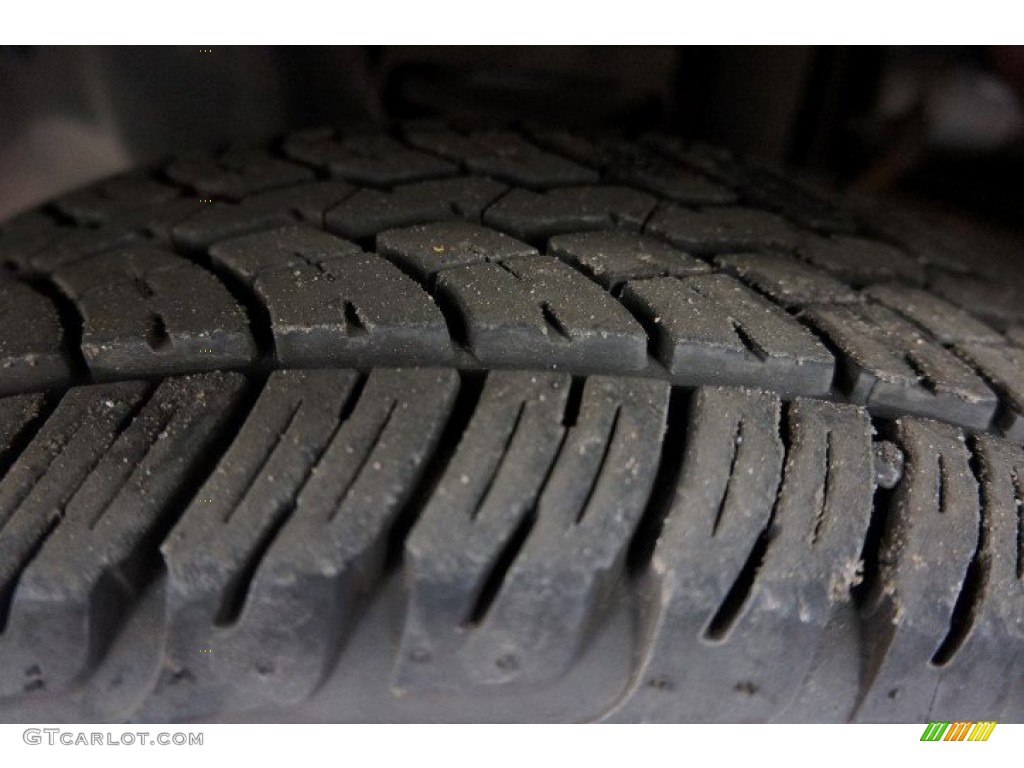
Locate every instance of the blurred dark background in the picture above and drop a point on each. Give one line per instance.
(937, 130)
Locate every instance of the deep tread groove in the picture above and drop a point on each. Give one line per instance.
(573, 402)
(486, 490)
(347, 491)
(236, 594)
(156, 333)
(1018, 493)
(666, 479)
(737, 443)
(71, 321)
(499, 569)
(718, 628)
(553, 322)
(471, 387)
(28, 433)
(870, 552)
(166, 418)
(352, 319)
(819, 519)
(146, 564)
(972, 593)
(255, 310)
(491, 585)
(605, 450)
(258, 469)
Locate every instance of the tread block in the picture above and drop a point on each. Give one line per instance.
(108, 200)
(711, 328)
(428, 248)
(640, 165)
(356, 309)
(759, 186)
(888, 365)
(537, 310)
(611, 257)
(807, 208)
(37, 243)
(994, 301)
(370, 211)
(713, 161)
(934, 511)
(482, 504)
(533, 217)
(236, 173)
(574, 557)
(266, 210)
(25, 235)
(304, 581)
(365, 158)
(947, 323)
(581, 515)
(211, 552)
(40, 483)
(52, 465)
(981, 660)
(716, 230)
(859, 261)
(32, 340)
(731, 469)
(84, 503)
(505, 155)
(17, 413)
(1003, 367)
(279, 250)
(147, 311)
(786, 280)
(933, 247)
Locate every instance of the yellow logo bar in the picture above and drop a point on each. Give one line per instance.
(982, 731)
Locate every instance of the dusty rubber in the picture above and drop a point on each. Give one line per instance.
(506, 426)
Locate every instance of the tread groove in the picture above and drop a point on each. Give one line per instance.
(729, 611)
(972, 592)
(870, 554)
(666, 480)
(1018, 500)
(499, 569)
(256, 311)
(467, 400)
(271, 449)
(27, 433)
(346, 493)
(737, 444)
(165, 419)
(71, 321)
(599, 471)
(485, 492)
(826, 495)
(236, 593)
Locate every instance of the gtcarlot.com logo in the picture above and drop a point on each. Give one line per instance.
(59, 736)
(959, 731)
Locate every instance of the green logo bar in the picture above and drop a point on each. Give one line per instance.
(933, 731)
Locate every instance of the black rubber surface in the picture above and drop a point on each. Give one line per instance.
(503, 425)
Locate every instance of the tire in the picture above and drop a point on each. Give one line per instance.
(503, 426)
